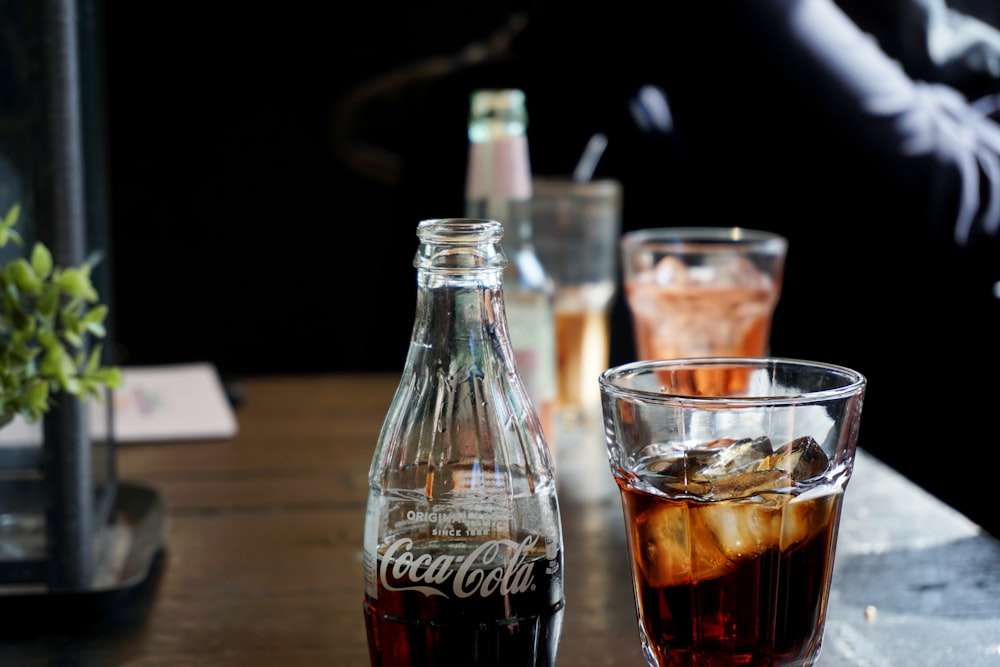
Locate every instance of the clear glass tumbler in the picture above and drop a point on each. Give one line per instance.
(732, 473)
(702, 291)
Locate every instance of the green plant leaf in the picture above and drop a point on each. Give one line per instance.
(12, 216)
(35, 398)
(93, 321)
(73, 338)
(110, 376)
(46, 314)
(48, 302)
(75, 282)
(41, 260)
(93, 361)
(24, 277)
(7, 233)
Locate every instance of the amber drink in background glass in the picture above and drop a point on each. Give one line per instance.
(702, 291)
(732, 500)
(577, 228)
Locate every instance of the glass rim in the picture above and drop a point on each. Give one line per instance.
(555, 187)
(853, 382)
(704, 238)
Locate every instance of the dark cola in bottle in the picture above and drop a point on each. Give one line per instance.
(463, 542)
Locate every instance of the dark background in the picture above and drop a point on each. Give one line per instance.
(268, 170)
(241, 234)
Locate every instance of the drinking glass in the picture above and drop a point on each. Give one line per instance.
(702, 291)
(732, 472)
(577, 226)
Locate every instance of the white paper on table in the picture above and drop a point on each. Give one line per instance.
(154, 403)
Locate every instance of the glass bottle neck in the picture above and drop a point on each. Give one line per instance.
(460, 308)
(466, 312)
(499, 168)
(498, 185)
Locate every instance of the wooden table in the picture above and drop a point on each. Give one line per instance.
(263, 558)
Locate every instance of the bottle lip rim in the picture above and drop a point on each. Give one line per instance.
(459, 229)
(460, 245)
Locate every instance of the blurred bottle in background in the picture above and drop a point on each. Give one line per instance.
(498, 187)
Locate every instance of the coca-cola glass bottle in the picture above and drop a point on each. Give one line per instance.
(463, 541)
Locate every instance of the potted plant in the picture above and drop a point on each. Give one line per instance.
(47, 314)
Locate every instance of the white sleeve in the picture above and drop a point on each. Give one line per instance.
(921, 120)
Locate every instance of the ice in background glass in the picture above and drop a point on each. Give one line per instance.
(702, 291)
(577, 227)
(732, 473)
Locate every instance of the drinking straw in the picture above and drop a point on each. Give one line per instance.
(588, 161)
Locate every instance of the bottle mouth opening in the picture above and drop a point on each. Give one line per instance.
(460, 245)
(459, 230)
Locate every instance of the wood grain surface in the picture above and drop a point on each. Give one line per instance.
(262, 565)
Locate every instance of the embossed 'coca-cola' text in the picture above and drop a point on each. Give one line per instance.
(467, 576)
